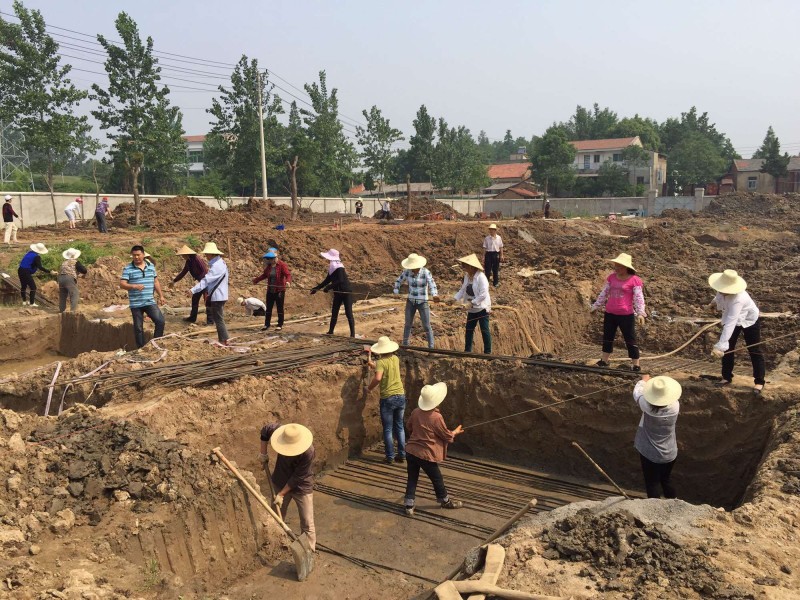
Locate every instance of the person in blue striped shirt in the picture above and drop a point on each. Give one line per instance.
(420, 282)
(139, 279)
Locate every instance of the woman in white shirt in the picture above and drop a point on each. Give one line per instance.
(474, 295)
(739, 315)
(73, 211)
(493, 254)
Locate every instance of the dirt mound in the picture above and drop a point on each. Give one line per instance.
(422, 208)
(629, 554)
(539, 214)
(744, 204)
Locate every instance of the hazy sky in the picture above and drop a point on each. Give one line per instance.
(488, 65)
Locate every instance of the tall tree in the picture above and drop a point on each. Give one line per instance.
(336, 157)
(695, 160)
(376, 141)
(612, 180)
(594, 124)
(485, 148)
(775, 163)
(635, 158)
(645, 128)
(420, 153)
(38, 97)
(553, 157)
(457, 161)
(134, 110)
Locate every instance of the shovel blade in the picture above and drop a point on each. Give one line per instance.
(303, 557)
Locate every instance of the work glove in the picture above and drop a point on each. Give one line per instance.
(640, 320)
(716, 352)
(264, 458)
(278, 501)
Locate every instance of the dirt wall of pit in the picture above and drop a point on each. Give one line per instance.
(79, 334)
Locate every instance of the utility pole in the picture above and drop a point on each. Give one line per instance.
(263, 150)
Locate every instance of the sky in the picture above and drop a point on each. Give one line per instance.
(492, 66)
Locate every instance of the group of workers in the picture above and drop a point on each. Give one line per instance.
(73, 212)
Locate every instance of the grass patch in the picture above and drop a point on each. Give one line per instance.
(152, 574)
(139, 228)
(193, 241)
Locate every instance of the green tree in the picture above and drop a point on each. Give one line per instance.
(775, 163)
(421, 150)
(135, 112)
(553, 157)
(613, 180)
(646, 129)
(369, 182)
(485, 148)
(635, 158)
(335, 156)
(594, 124)
(39, 98)
(695, 160)
(376, 141)
(457, 161)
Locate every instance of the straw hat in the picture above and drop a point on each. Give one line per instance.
(493, 226)
(624, 260)
(384, 346)
(472, 261)
(71, 253)
(291, 439)
(414, 261)
(331, 254)
(727, 282)
(38, 248)
(662, 391)
(432, 396)
(240, 300)
(147, 254)
(185, 250)
(211, 248)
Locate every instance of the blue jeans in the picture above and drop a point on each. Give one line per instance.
(473, 319)
(392, 409)
(152, 311)
(424, 316)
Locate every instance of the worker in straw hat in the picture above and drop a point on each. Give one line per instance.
(421, 286)
(623, 299)
(197, 268)
(337, 282)
(73, 211)
(30, 263)
(740, 315)
(392, 397)
(68, 279)
(139, 279)
(474, 296)
(493, 254)
(292, 478)
(655, 438)
(215, 284)
(8, 221)
(428, 437)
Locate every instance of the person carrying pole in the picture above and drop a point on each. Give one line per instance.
(493, 254)
(30, 263)
(740, 315)
(73, 211)
(420, 282)
(392, 397)
(10, 228)
(68, 279)
(655, 440)
(278, 277)
(102, 211)
(197, 268)
(474, 296)
(342, 291)
(428, 437)
(215, 282)
(139, 279)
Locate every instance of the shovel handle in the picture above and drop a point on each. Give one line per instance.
(255, 493)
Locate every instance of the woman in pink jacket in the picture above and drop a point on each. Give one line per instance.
(623, 299)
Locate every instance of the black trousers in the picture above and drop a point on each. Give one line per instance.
(27, 281)
(196, 307)
(655, 475)
(274, 299)
(752, 335)
(491, 263)
(627, 325)
(413, 465)
(338, 301)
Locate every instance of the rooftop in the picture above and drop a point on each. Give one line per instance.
(194, 138)
(518, 170)
(607, 144)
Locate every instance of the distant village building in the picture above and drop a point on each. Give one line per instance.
(745, 176)
(590, 155)
(194, 154)
(506, 175)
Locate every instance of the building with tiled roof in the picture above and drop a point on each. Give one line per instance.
(509, 172)
(590, 155)
(746, 176)
(194, 153)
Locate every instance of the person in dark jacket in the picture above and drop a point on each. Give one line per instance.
(68, 279)
(278, 277)
(342, 292)
(293, 477)
(29, 264)
(10, 228)
(195, 267)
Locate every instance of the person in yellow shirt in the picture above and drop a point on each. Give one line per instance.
(393, 397)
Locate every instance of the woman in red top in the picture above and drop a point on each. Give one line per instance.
(427, 438)
(623, 299)
(278, 279)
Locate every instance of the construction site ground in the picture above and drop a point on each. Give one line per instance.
(119, 496)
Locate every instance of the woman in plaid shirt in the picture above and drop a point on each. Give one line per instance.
(420, 281)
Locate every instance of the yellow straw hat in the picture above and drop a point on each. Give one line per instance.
(624, 260)
(291, 439)
(727, 282)
(414, 261)
(185, 250)
(472, 261)
(662, 391)
(211, 248)
(384, 346)
(432, 396)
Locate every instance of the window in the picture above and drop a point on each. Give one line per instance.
(195, 156)
(596, 158)
(752, 183)
(586, 159)
(617, 157)
(639, 180)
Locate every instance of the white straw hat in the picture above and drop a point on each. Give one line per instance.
(211, 248)
(432, 396)
(624, 260)
(71, 253)
(414, 261)
(493, 226)
(331, 254)
(8, 197)
(662, 391)
(472, 261)
(291, 439)
(39, 248)
(185, 250)
(727, 282)
(384, 346)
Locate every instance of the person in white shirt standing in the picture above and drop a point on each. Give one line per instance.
(474, 295)
(493, 254)
(740, 315)
(73, 211)
(216, 283)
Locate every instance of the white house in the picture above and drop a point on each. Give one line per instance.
(591, 154)
(194, 153)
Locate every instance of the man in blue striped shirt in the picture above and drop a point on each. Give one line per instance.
(139, 280)
(420, 281)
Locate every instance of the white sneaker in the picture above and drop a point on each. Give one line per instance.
(24, 303)
(34, 304)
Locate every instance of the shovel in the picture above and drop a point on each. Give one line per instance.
(301, 549)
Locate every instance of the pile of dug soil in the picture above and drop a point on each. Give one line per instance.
(744, 204)
(422, 207)
(539, 214)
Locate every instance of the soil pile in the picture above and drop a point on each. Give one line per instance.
(422, 208)
(743, 204)
(628, 555)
